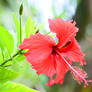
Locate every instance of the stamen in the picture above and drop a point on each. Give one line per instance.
(75, 71)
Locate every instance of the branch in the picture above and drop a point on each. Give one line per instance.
(19, 52)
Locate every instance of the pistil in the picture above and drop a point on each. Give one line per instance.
(74, 71)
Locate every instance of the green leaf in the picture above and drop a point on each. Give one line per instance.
(6, 53)
(1, 56)
(19, 67)
(6, 40)
(7, 74)
(29, 27)
(15, 87)
(17, 25)
(63, 14)
(19, 58)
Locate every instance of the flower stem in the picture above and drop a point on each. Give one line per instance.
(19, 52)
(20, 13)
(20, 31)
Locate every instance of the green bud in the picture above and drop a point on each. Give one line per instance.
(21, 9)
(37, 31)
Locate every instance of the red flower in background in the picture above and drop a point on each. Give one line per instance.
(50, 58)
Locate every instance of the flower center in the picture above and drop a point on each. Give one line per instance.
(54, 50)
(61, 49)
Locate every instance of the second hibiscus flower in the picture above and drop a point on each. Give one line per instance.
(50, 58)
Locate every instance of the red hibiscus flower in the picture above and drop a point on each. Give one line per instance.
(50, 58)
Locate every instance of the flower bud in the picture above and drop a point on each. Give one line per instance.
(21, 9)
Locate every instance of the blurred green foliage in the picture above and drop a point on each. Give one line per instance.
(9, 43)
(12, 65)
(14, 87)
(29, 27)
(7, 74)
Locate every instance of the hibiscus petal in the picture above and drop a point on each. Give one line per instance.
(51, 82)
(64, 30)
(39, 46)
(74, 53)
(45, 67)
(61, 69)
(40, 53)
